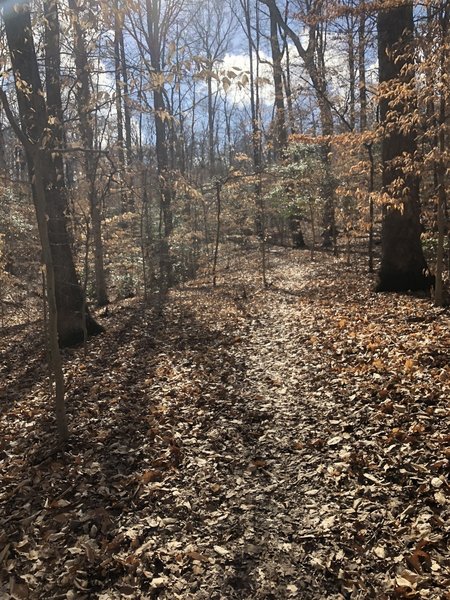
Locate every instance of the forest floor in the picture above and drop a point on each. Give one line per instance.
(244, 443)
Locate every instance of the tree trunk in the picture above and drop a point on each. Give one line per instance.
(351, 72)
(280, 133)
(118, 82)
(403, 265)
(211, 119)
(125, 96)
(287, 85)
(36, 136)
(2, 151)
(255, 113)
(218, 223)
(84, 108)
(362, 72)
(371, 206)
(162, 158)
(51, 283)
(444, 13)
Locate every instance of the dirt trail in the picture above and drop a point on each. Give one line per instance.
(251, 487)
(311, 499)
(289, 488)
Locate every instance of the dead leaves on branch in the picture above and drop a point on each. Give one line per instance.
(293, 442)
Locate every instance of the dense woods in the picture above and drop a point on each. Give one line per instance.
(191, 185)
(321, 123)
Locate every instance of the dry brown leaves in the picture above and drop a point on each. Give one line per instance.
(245, 443)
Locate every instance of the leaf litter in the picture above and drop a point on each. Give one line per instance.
(292, 442)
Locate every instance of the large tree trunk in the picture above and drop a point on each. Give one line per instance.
(37, 138)
(441, 167)
(403, 265)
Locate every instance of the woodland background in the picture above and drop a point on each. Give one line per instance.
(173, 127)
(218, 193)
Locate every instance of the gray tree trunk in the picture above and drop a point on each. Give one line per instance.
(36, 136)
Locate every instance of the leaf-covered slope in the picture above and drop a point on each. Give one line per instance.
(288, 443)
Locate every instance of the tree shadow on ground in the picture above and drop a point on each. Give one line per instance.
(22, 364)
(128, 400)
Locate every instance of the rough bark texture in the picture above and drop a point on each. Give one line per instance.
(441, 167)
(34, 124)
(403, 265)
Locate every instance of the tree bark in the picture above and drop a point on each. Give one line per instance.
(2, 151)
(280, 137)
(36, 135)
(351, 72)
(362, 72)
(441, 168)
(403, 265)
(211, 115)
(125, 96)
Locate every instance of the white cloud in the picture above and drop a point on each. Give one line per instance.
(239, 84)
